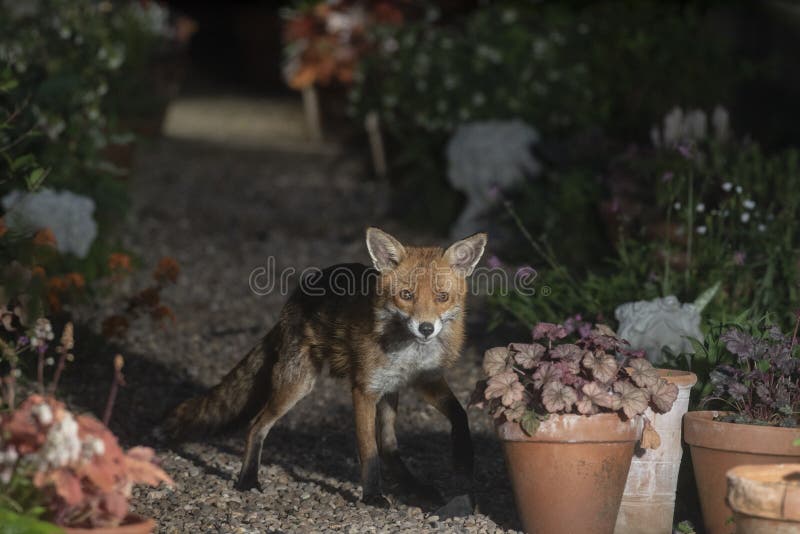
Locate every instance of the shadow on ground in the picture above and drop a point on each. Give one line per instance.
(318, 446)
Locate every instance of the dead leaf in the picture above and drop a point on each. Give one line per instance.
(650, 438)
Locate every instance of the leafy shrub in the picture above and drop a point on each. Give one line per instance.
(528, 382)
(562, 68)
(759, 379)
(723, 214)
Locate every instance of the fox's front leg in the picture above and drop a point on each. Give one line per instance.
(364, 406)
(438, 394)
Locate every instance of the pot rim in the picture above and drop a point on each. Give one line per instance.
(701, 430)
(764, 491)
(682, 379)
(572, 428)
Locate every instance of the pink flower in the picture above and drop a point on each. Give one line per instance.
(739, 257)
(494, 262)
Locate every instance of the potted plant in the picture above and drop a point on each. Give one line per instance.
(758, 385)
(569, 415)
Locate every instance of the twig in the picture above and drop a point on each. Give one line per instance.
(119, 380)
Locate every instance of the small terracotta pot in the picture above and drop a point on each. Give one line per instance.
(765, 498)
(718, 446)
(648, 503)
(569, 476)
(133, 525)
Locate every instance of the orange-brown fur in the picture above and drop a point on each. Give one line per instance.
(375, 338)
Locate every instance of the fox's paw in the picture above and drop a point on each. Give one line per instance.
(377, 500)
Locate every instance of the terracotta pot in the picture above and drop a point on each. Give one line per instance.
(765, 498)
(648, 502)
(569, 476)
(133, 525)
(717, 447)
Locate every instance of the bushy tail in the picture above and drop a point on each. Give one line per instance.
(236, 399)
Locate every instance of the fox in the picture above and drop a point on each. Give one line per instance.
(399, 327)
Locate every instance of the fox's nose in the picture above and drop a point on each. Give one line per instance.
(426, 329)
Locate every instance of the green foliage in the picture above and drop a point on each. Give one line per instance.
(729, 215)
(67, 69)
(14, 523)
(562, 68)
(685, 527)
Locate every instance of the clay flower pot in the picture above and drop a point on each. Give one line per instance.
(569, 476)
(133, 525)
(717, 447)
(765, 498)
(648, 502)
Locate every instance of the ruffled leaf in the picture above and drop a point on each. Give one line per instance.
(567, 351)
(633, 400)
(643, 373)
(495, 361)
(663, 395)
(527, 355)
(506, 387)
(557, 397)
(603, 366)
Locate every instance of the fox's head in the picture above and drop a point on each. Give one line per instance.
(423, 288)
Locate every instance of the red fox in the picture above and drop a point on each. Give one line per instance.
(395, 325)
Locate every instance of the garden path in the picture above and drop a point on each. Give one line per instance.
(221, 211)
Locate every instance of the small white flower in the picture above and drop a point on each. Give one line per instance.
(745, 217)
(739, 189)
(762, 228)
(43, 413)
(702, 230)
(727, 186)
(49, 361)
(92, 446)
(749, 204)
(677, 205)
(701, 208)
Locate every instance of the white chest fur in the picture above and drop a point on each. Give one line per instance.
(405, 365)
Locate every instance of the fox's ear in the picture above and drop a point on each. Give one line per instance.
(386, 251)
(464, 255)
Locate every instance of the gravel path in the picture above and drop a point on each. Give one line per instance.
(221, 213)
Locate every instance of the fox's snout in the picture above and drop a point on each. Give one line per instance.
(425, 330)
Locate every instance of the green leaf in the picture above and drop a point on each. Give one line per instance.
(35, 178)
(529, 422)
(685, 527)
(13, 523)
(702, 301)
(8, 85)
(796, 442)
(22, 161)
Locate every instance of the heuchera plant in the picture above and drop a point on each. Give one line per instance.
(762, 386)
(595, 374)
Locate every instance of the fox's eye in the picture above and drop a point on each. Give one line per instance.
(442, 297)
(406, 294)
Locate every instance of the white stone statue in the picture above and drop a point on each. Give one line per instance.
(662, 323)
(68, 215)
(486, 155)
